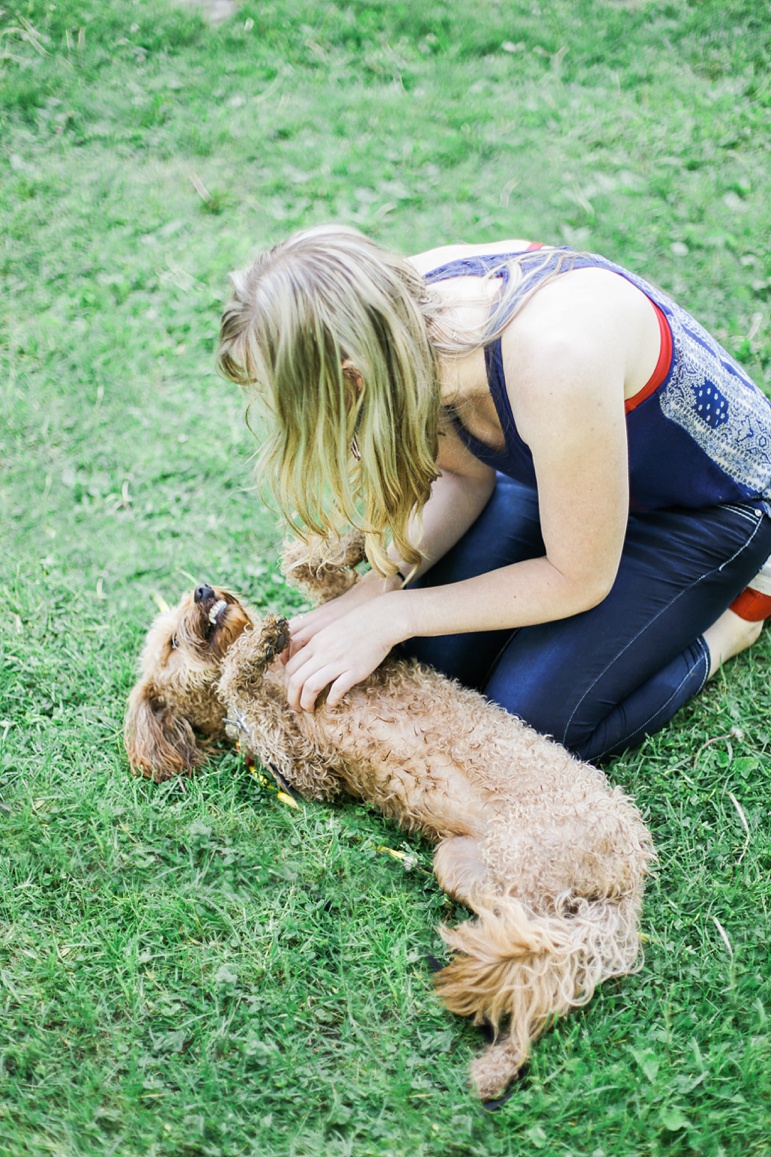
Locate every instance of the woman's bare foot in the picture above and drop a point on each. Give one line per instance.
(729, 636)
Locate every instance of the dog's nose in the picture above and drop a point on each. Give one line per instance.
(204, 591)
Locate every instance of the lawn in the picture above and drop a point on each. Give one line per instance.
(197, 970)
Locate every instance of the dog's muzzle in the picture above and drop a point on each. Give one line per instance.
(205, 597)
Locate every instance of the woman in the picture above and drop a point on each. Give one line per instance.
(565, 482)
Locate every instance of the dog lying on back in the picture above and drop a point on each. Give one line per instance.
(548, 856)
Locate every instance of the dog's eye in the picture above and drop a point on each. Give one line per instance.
(173, 642)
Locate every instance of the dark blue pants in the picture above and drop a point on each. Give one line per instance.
(600, 681)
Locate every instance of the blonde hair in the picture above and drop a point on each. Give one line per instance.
(342, 338)
(325, 297)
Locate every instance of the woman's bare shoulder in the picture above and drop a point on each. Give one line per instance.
(442, 254)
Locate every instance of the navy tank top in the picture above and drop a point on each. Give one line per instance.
(699, 435)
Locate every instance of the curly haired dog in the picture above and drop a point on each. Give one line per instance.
(548, 856)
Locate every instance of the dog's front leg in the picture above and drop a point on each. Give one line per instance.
(252, 686)
(254, 652)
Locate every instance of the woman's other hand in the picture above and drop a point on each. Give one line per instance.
(303, 627)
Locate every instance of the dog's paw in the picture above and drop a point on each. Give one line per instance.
(266, 642)
(274, 638)
(252, 654)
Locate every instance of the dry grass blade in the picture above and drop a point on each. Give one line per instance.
(745, 825)
(723, 936)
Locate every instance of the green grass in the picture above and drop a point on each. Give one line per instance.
(200, 971)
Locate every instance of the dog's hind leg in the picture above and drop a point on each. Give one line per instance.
(460, 869)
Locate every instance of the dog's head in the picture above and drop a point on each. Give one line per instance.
(174, 708)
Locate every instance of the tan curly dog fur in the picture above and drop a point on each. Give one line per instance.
(549, 857)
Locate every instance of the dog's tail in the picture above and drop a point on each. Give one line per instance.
(525, 969)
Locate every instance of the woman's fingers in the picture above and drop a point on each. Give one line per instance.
(340, 688)
(336, 654)
(306, 684)
(309, 673)
(303, 628)
(299, 657)
(314, 686)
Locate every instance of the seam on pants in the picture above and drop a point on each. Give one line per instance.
(642, 726)
(648, 625)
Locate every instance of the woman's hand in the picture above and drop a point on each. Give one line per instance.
(303, 627)
(342, 644)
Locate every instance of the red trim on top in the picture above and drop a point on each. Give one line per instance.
(752, 606)
(662, 365)
(534, 245)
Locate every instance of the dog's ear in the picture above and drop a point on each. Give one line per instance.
(159, 743)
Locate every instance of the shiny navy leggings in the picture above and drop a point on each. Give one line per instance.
(600, 681)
